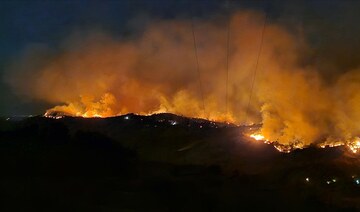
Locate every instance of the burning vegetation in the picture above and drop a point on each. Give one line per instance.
(96, 75)
(354, 145)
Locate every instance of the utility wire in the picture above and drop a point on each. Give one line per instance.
(197, 64)
(256, 66)
(227, 60)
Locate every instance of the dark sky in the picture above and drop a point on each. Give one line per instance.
(331, 27)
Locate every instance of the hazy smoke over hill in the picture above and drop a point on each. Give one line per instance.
(99, 75)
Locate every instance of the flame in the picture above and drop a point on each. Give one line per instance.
(260, 137)
(257, 137)
(277, 146)
(354, 146)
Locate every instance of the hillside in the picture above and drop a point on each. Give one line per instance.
(165, 162)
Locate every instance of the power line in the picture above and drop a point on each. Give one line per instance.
(256, 65)
(197, 64)
(227, 62)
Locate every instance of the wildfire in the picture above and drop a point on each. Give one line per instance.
(103, 76)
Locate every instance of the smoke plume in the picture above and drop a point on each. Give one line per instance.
(98, 75)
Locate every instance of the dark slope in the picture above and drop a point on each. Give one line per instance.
(164, 162)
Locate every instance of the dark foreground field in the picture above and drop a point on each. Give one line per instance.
(164, 163)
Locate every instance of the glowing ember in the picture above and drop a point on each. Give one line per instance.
(282, 148)
(53, 115)
(332, 144)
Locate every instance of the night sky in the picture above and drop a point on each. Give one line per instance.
(331, 27)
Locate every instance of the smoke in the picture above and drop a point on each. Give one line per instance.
(98, 75)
